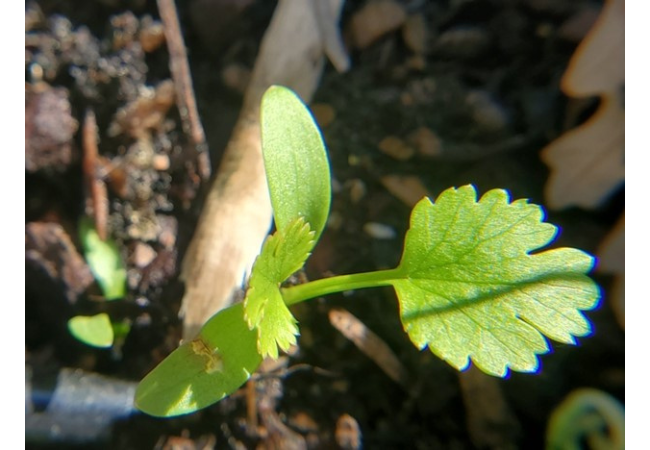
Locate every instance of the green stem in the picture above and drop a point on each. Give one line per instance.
(340, 283)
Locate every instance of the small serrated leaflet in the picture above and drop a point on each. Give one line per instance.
(283, 253)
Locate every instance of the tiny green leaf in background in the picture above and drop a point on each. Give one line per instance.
(283, 253)
(203, 371)
(96, 331)
(469, 287)
(587, 418)
(104, 260)
(295, 160)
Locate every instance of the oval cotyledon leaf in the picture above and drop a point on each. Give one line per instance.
(203, 371)
(295, 161)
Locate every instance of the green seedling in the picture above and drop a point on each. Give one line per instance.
(96, 331)
(104, 260)
(106, 265)
(472, 284)
(587, 416)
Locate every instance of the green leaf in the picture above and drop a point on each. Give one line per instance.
(283, 253)
(469, 286)
(203, 371)
(295, 159)
(104, 260)
(587, 416)
(95, 331)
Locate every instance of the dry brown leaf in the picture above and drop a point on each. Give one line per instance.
(598, 65)
(587, 163)
(611, 259)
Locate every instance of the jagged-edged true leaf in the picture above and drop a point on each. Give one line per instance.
(104, 260)
(470, 288)
(202, 371)
(295, 159)
(283, 253)
(95, 331)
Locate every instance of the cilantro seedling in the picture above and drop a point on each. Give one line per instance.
(587, 418)
(106, 265)
(104, 260)
(472, 283)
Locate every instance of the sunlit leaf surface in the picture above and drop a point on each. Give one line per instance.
(471, 289)
(204, 370)
(283, 253)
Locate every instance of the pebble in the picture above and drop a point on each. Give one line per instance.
(357, 189)
(379, 231)
(374, 20)
(396, 148)
(160, 162)
(143, 254)
(408, 188)
(151, 34)
(425, 141)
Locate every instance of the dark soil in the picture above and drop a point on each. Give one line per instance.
(487, 87)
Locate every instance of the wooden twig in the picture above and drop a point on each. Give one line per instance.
(369, 343)
(180, 70)
(251, 406)
(97, 204)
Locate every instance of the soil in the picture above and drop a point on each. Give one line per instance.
(483, 84)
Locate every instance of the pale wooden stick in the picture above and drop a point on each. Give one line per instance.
(237, 212)
(369, 343)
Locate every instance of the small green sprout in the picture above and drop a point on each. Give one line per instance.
(106, 265)
(95, 331)
(587, 416)
(472, 284)
(104, 260)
